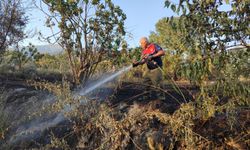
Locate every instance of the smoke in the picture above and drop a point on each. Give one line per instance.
(32, 129)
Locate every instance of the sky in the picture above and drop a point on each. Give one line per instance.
(142, 15)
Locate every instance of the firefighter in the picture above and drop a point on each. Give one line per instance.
(151, 55)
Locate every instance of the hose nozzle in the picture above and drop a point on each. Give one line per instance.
(135, 64)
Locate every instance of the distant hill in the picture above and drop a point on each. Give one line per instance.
(50, 49)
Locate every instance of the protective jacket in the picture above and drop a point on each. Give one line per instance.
(151, 50)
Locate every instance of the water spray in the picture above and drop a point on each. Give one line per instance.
(101, 82)
(35, 126)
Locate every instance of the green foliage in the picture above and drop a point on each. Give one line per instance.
(21, 57)
(48, 62)
(195, 71)
(135, 53)
(12, 23)
(88, 30)
(210, 33)
(220, 26)
(170, 35)
(53, 63)
(167, 3)
(220, 73)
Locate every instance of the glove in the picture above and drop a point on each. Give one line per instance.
(150, 57)
(135, 64)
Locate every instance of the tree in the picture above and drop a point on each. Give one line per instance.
(12, 23)
(212, 30)
(212, 27)
(88, 30)
(170, 35)
(20, 57)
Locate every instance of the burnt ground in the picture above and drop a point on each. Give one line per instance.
(18, 97)
(166, 99)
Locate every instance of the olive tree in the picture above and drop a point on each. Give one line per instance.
(88, 29)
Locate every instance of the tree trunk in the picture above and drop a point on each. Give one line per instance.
(73, 67)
